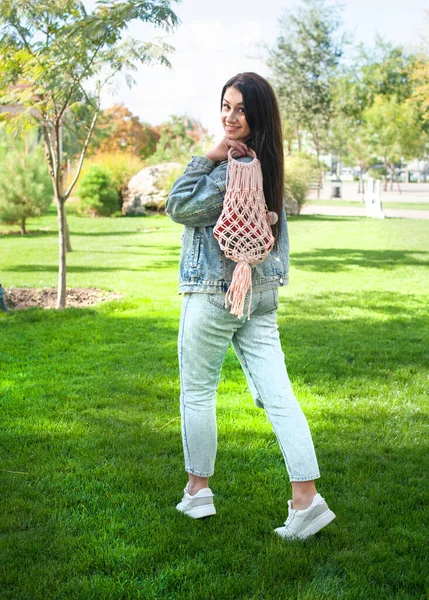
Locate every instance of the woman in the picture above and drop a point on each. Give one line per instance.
(251, 121)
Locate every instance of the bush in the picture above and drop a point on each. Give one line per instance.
(165, 183)
(300, 174)
(25, 186)
(121, 167)
(97, 193)
(377, 172)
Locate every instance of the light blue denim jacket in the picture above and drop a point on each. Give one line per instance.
(196, 201)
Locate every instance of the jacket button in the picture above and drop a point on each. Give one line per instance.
(277, 259)
(281, 280)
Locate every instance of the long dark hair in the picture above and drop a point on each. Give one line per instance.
(263, 117)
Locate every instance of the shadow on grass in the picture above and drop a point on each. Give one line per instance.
(31, 268)
(341, 259)
(140, 231)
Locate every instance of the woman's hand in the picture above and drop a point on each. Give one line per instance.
(220, 151)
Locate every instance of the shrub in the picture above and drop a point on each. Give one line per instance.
(25, 186)
(97, 193)
(300, 175)
(165, 183)
(121, 166)
(377, 172)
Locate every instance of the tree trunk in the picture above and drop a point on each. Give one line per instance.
(298, 137)
(23, 228)
(319, 177)
(62, 270)
(395, 175)
(362, 182)
(67, 233)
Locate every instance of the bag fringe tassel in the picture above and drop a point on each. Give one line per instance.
(241, 283)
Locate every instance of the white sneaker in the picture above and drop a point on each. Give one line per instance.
(198, 506)
(300, 524)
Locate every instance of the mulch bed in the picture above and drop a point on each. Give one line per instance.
(21, 298)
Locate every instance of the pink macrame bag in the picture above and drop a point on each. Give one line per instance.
(243, 229)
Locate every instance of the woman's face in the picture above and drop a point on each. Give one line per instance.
(233, 118)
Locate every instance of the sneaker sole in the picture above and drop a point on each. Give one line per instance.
(324, 519)
(318, 524)
(199, 512)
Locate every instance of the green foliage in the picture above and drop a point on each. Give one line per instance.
(301, 173)
(181, 136)
(57, 59)
(97, 193)
(304, 62)
(394, 129)
(385, 70)
(165, 183)
(377, 119)
(25, 186)
(377, 172)
(52, 52)
(120, 166)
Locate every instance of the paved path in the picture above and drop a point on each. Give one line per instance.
(411, 193)
(355, 211)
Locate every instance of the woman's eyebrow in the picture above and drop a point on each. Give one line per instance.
(228, 102)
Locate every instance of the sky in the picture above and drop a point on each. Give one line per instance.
(217, 39)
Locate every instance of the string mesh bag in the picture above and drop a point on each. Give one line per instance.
(243, 229)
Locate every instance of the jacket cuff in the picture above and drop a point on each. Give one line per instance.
(202, 164)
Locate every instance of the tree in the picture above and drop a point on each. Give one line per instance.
(57, 57)
(395, 130)
(120, 131)
(179, 136)
(25, 185)
(385, 70)
(374, 118)
(304, 62)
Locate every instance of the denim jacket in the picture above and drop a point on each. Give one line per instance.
(196, 201)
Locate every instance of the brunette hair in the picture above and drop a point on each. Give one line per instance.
(263, 117)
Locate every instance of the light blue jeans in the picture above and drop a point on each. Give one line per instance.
(206, 331)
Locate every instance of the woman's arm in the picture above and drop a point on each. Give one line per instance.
(196, 198)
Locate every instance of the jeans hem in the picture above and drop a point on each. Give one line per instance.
(198, 473)
(309, 478)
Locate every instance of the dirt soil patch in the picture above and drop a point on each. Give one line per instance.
(21, 298)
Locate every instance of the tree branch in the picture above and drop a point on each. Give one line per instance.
(49, 147)
(82, 156)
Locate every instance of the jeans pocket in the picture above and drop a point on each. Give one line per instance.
(217, 300)
(269, 302)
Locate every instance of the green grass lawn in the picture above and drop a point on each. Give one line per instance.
(91, 461)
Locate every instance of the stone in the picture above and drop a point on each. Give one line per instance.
(144, 192)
